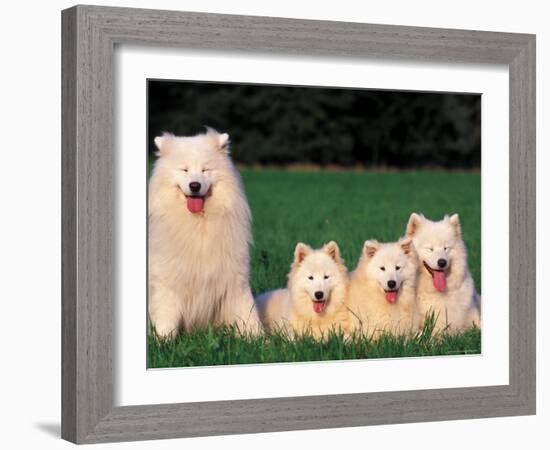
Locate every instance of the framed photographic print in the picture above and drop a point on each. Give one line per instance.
(268, 222)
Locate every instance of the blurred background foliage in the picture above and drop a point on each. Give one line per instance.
(282, 125)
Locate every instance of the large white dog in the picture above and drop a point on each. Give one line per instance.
(199, 236)
(445, 285)
(382, 292)
(314, 300)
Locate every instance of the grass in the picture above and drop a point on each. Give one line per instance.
(316, 207)
(225, 345)
(348, 207)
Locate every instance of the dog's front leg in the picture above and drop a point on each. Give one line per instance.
(164, 312)
(239, 309)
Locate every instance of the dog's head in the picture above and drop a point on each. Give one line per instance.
(391, 265)
(194, 164)
(317, 273)
(437, 244)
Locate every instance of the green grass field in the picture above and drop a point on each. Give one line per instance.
(348, 207)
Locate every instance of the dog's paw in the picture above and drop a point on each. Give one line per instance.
(164, 331)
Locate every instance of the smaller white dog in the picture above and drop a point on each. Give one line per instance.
(445, 286)
(382, 291)
(314, 300)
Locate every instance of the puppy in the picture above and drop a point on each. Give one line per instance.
(382, 291)
(445, 286)
(314, 300)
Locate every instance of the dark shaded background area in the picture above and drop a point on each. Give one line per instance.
(280, 125)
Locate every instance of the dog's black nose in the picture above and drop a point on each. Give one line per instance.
(442, 262)
(195, 186)
(392, 284)
(319, 295)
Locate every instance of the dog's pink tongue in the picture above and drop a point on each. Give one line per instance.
(440, 281)
(318, 307)
(391, 297)
(195, 204)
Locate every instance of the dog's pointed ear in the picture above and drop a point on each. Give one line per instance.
(332, 250)
(370, 248)
(454, 220)
(223, 142)
(162, 143)
(414, 223)
(300, 252)
(406, 245)
(221, 139)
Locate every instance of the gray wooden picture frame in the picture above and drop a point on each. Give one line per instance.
(90, 34)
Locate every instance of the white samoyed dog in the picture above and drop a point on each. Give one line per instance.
(314, 300)
(382, 291)
(199, 236)
(445, 285)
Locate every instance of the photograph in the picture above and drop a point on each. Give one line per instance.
(290, 224)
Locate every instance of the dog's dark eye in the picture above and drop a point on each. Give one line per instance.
(397, 267)
(185, 170)
(382, 269)
(445, 248)
(310, 277)
(205, 170)
(326, 277)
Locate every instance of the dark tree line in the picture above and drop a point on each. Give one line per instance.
(284, 125)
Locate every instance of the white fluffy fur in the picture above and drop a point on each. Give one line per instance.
(458, 307)
(291, 309)
(198, 262)
(379, 263)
